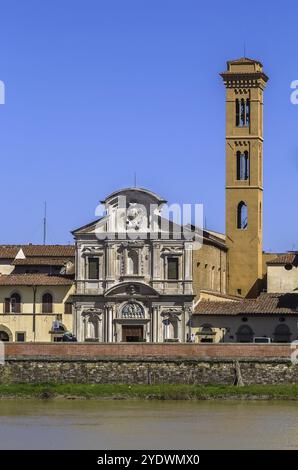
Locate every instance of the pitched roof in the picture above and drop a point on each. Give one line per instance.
(277, 304)
(219, 294)
(34, 280)
(245, 60)
(10, 251)
(285, 258)
(44, 261)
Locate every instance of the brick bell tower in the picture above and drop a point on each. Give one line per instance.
(245, 82)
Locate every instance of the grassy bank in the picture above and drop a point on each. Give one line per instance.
(148, 392)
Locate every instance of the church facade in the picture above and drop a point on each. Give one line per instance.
(132, 284)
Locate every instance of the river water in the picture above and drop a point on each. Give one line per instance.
(126, 424)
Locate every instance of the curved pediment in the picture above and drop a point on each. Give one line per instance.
(140, 195)
(131, 289)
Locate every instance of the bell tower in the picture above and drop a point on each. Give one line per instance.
(245, 81)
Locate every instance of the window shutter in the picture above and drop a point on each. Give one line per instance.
(7, 305)
(173, 268)
(68, 307)
(93, 268)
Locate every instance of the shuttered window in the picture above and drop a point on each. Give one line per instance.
(93, 268)
(173, 268)
(7, 305)
(68, 307)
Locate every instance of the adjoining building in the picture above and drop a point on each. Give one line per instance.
(273, 314)
(36, 282)
(283, 273)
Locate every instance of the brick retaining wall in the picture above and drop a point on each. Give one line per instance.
(145, 350)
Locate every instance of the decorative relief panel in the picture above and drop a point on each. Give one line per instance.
(132, 310)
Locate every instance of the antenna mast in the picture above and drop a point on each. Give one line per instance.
(45, 223)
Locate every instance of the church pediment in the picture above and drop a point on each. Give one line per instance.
(131, 289)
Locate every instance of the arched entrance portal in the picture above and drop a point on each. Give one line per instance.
(245, 334)
(132, 331)
(5, 334)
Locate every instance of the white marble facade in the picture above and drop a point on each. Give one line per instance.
(133, 274)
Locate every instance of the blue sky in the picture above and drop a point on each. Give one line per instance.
(98, 89)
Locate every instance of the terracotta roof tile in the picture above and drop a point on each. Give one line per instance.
(244, 60)
(285, 258)
(44, 261)
(265, 304)
(10, 251)
(34, 280)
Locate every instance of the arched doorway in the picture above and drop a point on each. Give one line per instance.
(47, 303)
(132, 330)
(206, 334)
(5, 334)
(245, 334)
(282, 334)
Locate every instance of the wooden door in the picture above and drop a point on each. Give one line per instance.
(132, 333)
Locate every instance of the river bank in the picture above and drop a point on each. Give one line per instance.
(149, 392)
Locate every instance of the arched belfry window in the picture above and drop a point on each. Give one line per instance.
(242, 112)
(237, 112)
(242, 166)
(247, 112)
(242, 216)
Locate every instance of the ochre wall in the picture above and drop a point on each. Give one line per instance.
(23, 322)
(209, 270)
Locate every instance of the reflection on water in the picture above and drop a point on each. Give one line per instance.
(32, 424)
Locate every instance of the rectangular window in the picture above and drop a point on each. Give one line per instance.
(20, 336)
(173, 271)
(7, 305)
(68, 307)
(93, 268)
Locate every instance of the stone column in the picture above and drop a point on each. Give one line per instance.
(110, 262)
(156, 261)
(188, 262)
(110, 324)
(125, 261)
(155, 324)
(81, 327)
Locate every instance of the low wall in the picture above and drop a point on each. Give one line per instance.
(67, 351)
(147, 363)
